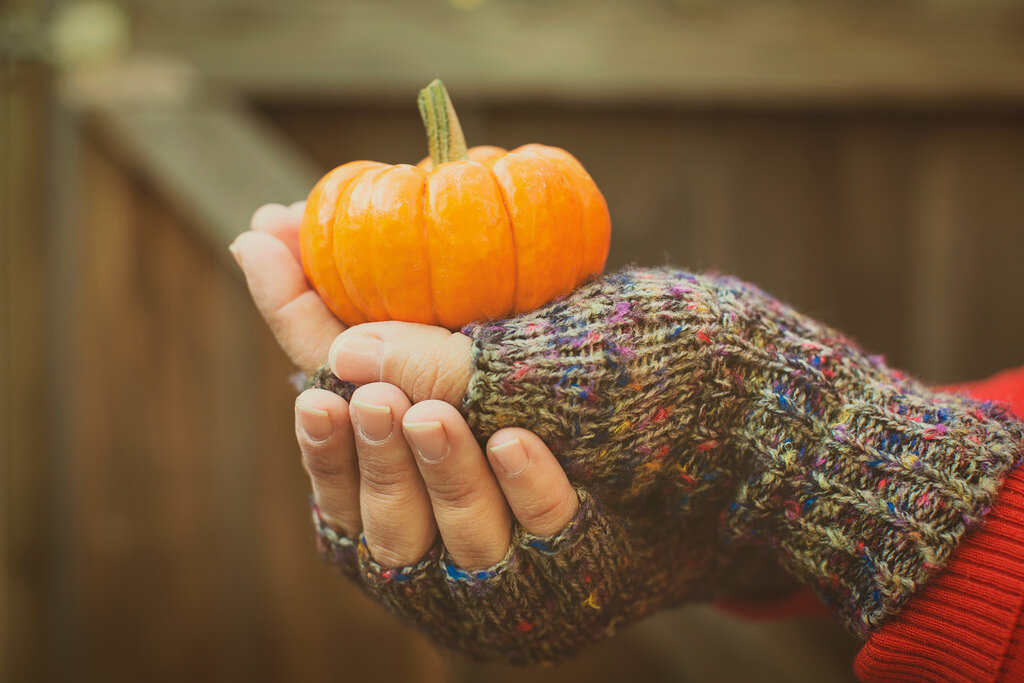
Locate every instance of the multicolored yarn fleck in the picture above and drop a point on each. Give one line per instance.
(715, 423)
(323, 378)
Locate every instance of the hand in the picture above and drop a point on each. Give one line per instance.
(397, 472)
(269, 256)
(581, 562)
(702, 420)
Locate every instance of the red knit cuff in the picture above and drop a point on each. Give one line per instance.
(962, 625)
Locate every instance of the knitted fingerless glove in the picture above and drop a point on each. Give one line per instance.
(705, 423)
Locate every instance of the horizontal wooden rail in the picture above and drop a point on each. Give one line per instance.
(768, 52)
(213, 159)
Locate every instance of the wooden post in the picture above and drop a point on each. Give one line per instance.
(27, 424)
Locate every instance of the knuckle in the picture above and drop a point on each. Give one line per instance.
(418, 374)
(385, 483)
(455, 494)
(438, 368)
(322, 463)
(548, 511)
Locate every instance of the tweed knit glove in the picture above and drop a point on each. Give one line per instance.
(705, 424)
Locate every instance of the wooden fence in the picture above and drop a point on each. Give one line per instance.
(154, 520)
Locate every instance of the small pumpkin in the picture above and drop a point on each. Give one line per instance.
(464, 235)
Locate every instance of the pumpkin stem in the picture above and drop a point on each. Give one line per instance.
(444, 134)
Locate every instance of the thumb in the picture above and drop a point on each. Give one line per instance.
(423, 361)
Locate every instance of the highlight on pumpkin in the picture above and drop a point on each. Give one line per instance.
(465, 235)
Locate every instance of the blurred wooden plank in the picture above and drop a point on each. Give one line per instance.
(27, 406)
(213, 159)
(991, 334)
(192, 549)
(868, 250)
(769, 52)
(935, 299)
(966, 287)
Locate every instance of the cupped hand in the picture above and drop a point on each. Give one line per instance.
(397, 463)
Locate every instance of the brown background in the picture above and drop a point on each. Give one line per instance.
(153, 508)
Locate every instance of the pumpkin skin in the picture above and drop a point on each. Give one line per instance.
(495, 235)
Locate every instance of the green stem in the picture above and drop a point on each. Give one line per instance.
(444, 134)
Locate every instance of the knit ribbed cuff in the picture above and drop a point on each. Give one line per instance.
(961, 626)
(549, 597)
(333, 547)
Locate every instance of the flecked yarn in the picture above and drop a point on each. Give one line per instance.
(707, 426)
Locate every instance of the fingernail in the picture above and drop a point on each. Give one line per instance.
(373, 422)
(233, 248)
(428, 439)
(316, 424)
(511, 456)
(357, 353)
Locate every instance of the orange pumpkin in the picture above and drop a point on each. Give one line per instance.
(464, 235)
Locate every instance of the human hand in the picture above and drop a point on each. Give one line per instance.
(268, 255)
(395, 475)
(720, 422)
(398, 473)
(543, 594)
(700, 419)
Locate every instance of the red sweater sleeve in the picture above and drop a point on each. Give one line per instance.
(967, 624)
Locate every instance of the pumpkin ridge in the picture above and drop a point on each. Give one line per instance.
(373, 208)
(562, 169)
(395, 301)
(364, 251)
(426, 249)
(329, 240)
(511, 227)
(378, 173)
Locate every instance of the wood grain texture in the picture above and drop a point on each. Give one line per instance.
(769, 52)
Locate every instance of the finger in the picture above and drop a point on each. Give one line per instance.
(425, 362)
(469, 507)
(328, 453)
(298, 317)
(397, 521)
(534, 484)
(282, 222)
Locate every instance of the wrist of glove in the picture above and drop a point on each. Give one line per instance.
(707, 421)
(545, 600)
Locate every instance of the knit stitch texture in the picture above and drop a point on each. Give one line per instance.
(706, 424)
